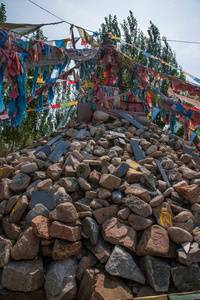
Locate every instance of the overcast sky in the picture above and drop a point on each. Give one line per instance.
(176, 19)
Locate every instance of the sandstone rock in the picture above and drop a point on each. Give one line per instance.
(122, 264)
(118, 234)
(156, 201)
(109, 181)
(63, 249)
(192, 256)
(5, 192)
(19, 182)
(105, 213)
(29, 168)
(124, 213)
(83, 170)
(155, 268)
(100, 250)
(100, 116)
(138, 191)
(84, 184)
(95, 176)
(121, 170)
(66, 232)
(25, 276)
(41, 227)
(137, 205)
(38, 210)
(5, 247)
(190, 192)
(179, 235)
(70, 184)
(183, 216)
(26, 247)
(64, 212)
(54, 171)
(45, 185)
(154, 241)
(85, 263)
(99, 285)
(11, 202)
(18, 209)
(164, 215)
(12, 230)
(6, 171)
(139, 223)
(103, 193)
(60, 281)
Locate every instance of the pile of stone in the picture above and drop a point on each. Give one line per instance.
(96, 224)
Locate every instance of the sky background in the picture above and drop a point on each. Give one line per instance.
(176, 20)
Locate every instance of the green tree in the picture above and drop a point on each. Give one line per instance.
(3, 17)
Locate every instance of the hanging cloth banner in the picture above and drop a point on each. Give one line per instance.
(191, 76)
(192, 136)
(2, 106)
(66, 104)
(155, 112)
(86, 37)
(23, 29)
(177, 127)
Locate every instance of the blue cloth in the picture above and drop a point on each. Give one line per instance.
(50, 94)
(179, 107)
(40, 100)
(11, 108)
(2, 106)
(3, 37)
(146, 54)
(46, 49)
(172, 124)
(21, 43)
(34, 82)
(60, 43)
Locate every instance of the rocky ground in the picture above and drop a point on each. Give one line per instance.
(100, 226)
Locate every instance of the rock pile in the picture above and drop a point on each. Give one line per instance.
(96, 224)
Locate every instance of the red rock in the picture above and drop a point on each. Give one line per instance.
(27, 246)
(66, 232)
(190, 192)
(154, 241)
(105, 213)
(97, 285)
(110, 181)
(64, 212)
(18, 209)
(41, 227)
(117, 233)
(63, 249)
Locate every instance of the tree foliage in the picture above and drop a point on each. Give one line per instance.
(151, 43)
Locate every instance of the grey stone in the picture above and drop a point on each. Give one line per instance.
(25, 276)
(137, 205)
(100, 250)
(157, 272)
(186, 278)
(90, 228)
(121, 170)
(5, 247)
(60, 281)
(122, 264)
(193, 256)
(38, 210)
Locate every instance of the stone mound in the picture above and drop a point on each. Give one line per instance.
(81, 219)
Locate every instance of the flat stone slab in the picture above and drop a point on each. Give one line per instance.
(46, 198)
